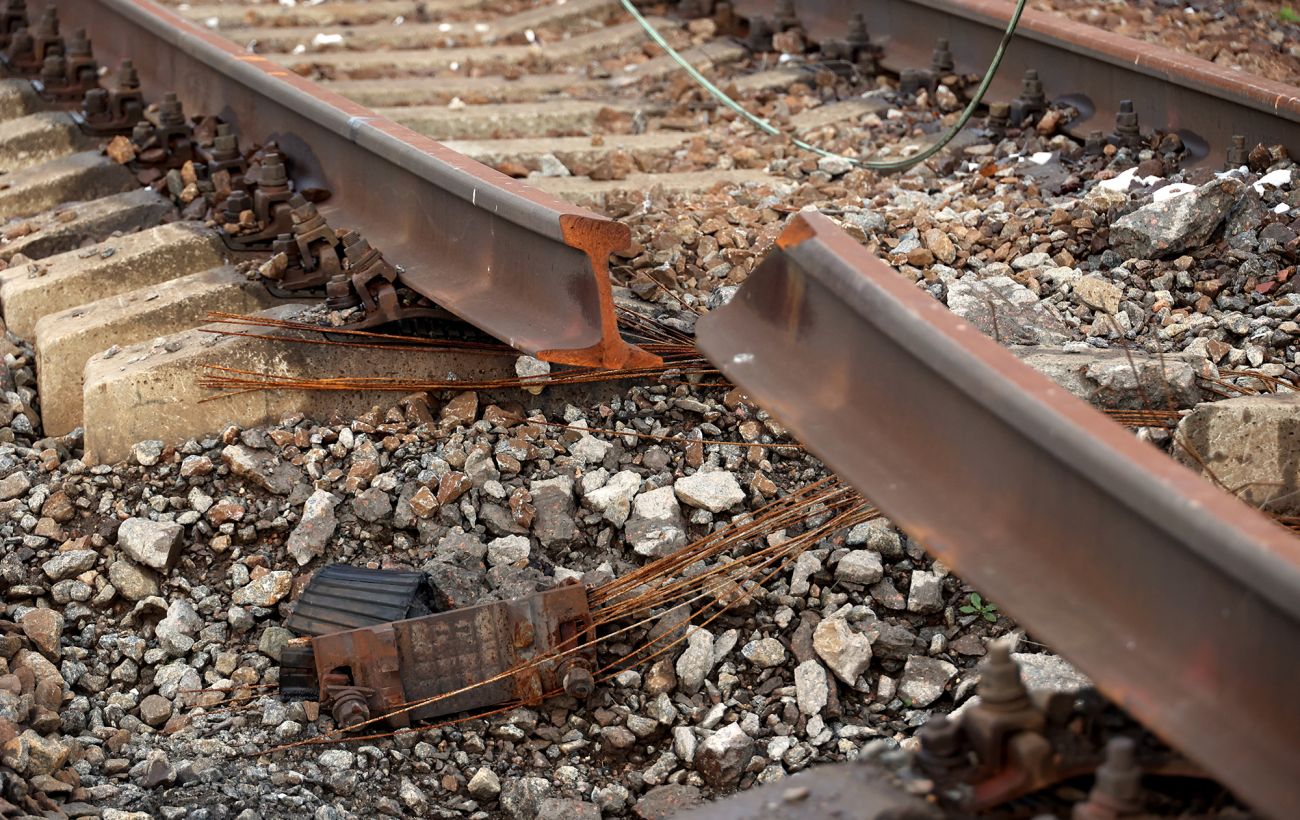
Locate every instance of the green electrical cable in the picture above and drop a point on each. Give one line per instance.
(876, 165)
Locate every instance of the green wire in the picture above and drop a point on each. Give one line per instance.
(876, 165)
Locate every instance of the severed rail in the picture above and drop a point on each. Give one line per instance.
(527, 268)
(1181, 602)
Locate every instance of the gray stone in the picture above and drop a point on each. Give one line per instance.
(764, 653)
(315, 528)
(925, 593)
(1251, 444)
(14, 485)
(554, 524)
(670, 800)
(155, 710)
(1050, 673)
(132, 582)
(1005, 310)
(721, 757)
(273, 641)
(924, 679)
(339, 760)
(260, 468)
(614, 500)
(156, 544)
(860, 567)
(714, 491)
(1165, 228)
(484, 785)
(811, 687)
(695, 661)
(1117, 379)
(69, 564)
(557, 808)
(266, 591)
(845, 650)
(656, 526)
(372, 504)
(522, 798)
(510, 549)
(147, 453)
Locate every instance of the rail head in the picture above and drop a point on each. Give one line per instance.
(530, 269)
(1172, 595)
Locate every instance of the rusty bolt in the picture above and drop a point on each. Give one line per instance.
(578, 682)
(941, 61)
(350, 710)
(1237, 154)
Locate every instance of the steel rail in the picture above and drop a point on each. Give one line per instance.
(1181, 602)
(1087, 66)
(527, 268)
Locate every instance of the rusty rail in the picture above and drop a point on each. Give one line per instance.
(1181, 602)
(1090, 67)
(527, 268)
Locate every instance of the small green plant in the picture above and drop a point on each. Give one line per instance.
(1288, 15)
(976, 605)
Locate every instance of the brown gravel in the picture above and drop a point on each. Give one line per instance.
(1255, 36)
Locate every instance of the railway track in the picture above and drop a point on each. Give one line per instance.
(121, 239)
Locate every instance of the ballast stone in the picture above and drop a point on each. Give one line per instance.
(714, 491)
(1169, 227)
(656, 527)
(1251, 443)
(155, 544)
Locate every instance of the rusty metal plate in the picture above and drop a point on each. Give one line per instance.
(1181, 602)
(1088, 66)
(525, 267)
(421, 658)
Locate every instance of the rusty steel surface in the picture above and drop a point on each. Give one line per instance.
(527, 268)
(395, 664)
(1088, 66)
(1181, 602)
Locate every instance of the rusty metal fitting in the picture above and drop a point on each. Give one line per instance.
(142, 133)
(1001, 688)
(128, 79)
(80, 67)
(942, 749)
(1117, 789)
(339, 294)
(238, 202)
(273, 178)
(1127, 132)
(760, 33)
(21, 49)
(1095, 143)
(225, 145)
(350, 708)
(941, 61)
(856, 34)
(54, 72)
(999, 118)
(170, 112)
(12, 18)
(915, 80)
(784, 16)
(1032, 100)
(578, 682)
(1237, 154)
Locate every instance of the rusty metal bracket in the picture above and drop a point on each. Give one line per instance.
(1174, 597)
(523, 648)
(522, 266)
